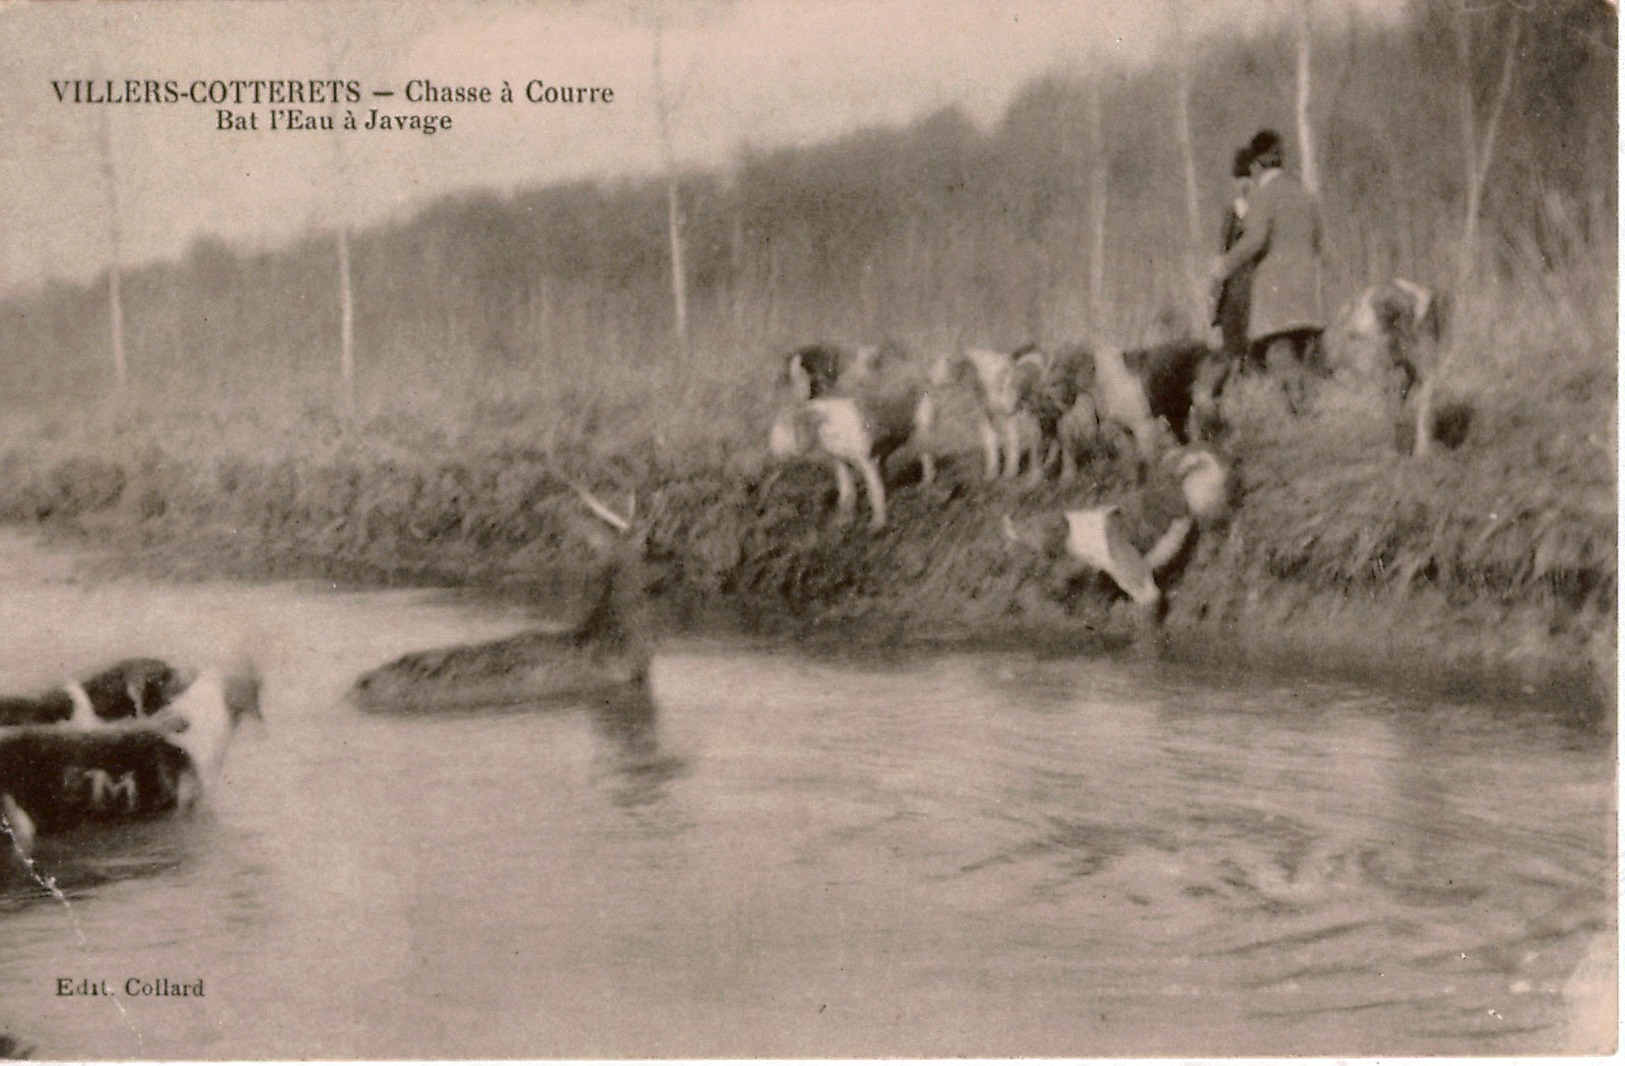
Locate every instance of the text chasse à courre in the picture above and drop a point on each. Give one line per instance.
(253, 105)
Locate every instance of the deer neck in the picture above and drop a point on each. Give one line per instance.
(606, 624)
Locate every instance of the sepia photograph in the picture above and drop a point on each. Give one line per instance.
(808, 529)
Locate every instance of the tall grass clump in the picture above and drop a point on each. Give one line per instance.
(1522, 510)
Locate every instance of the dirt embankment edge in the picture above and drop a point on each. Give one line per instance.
(732, 549)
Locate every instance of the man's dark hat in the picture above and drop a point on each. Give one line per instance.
(1266, 147)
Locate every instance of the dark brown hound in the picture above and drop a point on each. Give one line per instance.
(53, 780)
(132, 688)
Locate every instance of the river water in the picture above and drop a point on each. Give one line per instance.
(789, 855)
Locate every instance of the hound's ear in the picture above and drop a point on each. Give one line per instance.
(874, 358)
(182, 679)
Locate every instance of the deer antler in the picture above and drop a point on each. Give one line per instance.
(602, 509)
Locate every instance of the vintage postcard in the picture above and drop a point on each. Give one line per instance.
(594, 529)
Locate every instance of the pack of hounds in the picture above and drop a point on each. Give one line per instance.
(1036, 410)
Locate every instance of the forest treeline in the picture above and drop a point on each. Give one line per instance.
(937, 233)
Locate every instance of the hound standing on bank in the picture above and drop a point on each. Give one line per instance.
(891, 406)
(1007, 387)
(1132, 540)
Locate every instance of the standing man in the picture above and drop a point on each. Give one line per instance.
(1231, 306)
(1280, 242)
(1230, 310)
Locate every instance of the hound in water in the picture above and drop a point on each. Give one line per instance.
(54, 779)
(131, 688)
(606, 652)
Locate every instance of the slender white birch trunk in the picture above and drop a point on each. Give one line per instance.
(674, 205)
(1477, 153)
(1309, 160)
(1097, 212)
(115, 233)
(346, 322)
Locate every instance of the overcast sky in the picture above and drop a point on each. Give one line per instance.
(761, 72)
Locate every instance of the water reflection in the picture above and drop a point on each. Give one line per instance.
(633, 763)
(75, 865)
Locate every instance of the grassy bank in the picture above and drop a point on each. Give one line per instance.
(1494, 560)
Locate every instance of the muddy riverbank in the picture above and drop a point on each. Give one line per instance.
(1446, 572)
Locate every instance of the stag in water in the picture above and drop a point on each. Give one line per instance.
(607, 650)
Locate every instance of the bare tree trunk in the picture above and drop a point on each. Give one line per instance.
(736, 267)
(346, 322)
(1476, 158)
(1468, 110)
(339, 194)
(911, 281)
(115, 233)
(679, 273)
(1193, 214)
(115, 307)
(1306, 135)
(674, 207)
(1197, 292)
(1097, 213)
(770, 303)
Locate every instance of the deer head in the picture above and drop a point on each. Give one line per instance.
(618, 620)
